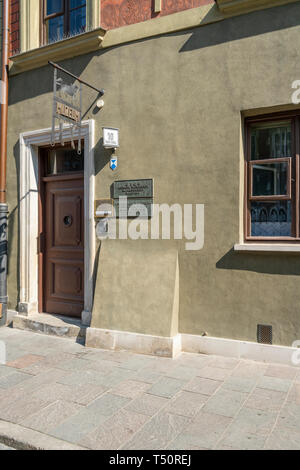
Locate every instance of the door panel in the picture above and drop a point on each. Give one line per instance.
(64, 245)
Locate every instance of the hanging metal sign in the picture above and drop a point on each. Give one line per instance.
(67, 103)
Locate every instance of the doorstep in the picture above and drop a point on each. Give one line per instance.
(55, 325)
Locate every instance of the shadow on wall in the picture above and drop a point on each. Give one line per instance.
(283, 264)
(31, 84)
(244, 26)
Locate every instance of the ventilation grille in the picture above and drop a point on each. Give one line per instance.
(264, 334)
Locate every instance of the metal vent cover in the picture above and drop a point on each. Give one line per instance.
(264, 334)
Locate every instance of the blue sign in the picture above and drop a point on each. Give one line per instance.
(113, 163)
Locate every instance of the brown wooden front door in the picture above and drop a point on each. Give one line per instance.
(63, 253)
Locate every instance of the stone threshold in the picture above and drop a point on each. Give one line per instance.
(55, 325)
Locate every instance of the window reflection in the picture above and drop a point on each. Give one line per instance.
(271, 140)
(64, 161)
(269, 179)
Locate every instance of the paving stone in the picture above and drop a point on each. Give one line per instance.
(264, 399)
(74, 364)
(17, 411)
(253, 421)
(84, 394)
(289, 416)
(166, 387)
(130, 388)
(239, 384)
(96, 355)
(183, 372)
(162, 365)
(274, 383)
(186, 403)
(83, 377)
(76, 427)
(294, 394)
(120, 356)
(224, 362)
(52, 392)
(180, 443)
(147, 404)
(56, 358)
(202, 385)
(214, 373)
(108, 403)
(147, 375)
(225, 402)
(249, 369)
(239, 440)
(25, 361)
(137, 363)
(37, 381)
(50, 416)
(116, 431)
(283, 438)
(194, 360)
(205, 431)
(158, 432)
(14, 353)
(4, 370)
(281, 371)
(13, 379)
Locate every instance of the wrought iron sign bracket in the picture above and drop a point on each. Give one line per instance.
(67, 104)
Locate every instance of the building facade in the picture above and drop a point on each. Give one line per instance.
(202, 94)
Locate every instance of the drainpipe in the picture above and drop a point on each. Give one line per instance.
(3, 159)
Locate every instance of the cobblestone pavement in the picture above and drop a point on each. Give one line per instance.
(117, 400)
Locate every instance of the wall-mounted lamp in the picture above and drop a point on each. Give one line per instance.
(100, 104)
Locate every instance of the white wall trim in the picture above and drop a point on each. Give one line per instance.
(238, 349)
(28, 206)
(172, 346)
(267, 247)
(135, 342)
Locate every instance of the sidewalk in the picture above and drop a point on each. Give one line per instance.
(57, 392)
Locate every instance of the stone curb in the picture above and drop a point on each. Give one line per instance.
(20, 438)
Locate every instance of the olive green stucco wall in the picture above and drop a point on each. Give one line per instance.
(177, 100)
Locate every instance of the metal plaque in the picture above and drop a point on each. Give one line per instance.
(133, 188)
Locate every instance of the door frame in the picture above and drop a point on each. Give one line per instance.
(29, 210)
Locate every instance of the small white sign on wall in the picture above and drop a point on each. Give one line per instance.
(110, 137)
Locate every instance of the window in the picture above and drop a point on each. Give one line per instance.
(272, 183)
(63, 18)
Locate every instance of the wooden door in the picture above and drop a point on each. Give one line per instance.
(63, 251)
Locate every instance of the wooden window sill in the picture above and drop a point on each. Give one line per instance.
(267, 247)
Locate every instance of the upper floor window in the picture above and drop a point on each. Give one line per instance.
(273, 178)
(63, 18)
